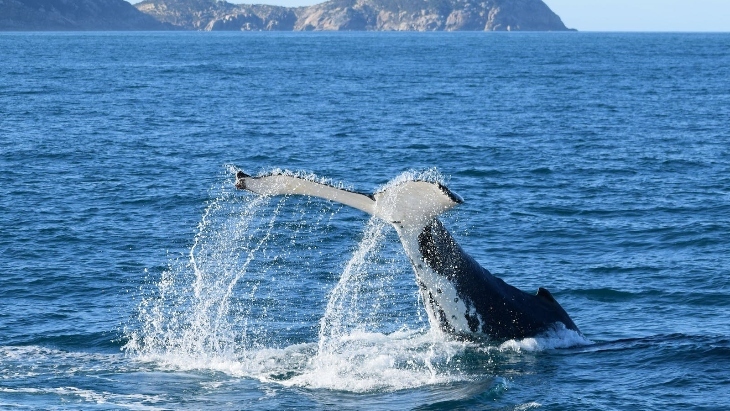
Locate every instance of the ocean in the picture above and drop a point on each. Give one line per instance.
(133, 275)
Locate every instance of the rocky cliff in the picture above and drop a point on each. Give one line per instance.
(35, 15)
(377, 15)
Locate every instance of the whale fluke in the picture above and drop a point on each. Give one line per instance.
(407, 203)
(461, 297)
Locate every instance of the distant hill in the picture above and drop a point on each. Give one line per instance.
(52, 15)
(375, 15)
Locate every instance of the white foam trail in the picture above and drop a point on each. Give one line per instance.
(556, 337)
(367, 362)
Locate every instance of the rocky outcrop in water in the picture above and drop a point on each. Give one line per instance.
(376, 15)
(50, 15)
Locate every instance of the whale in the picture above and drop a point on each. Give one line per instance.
(461, 298)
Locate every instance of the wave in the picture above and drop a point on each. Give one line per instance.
(695, 298)
(78, 396)
(675, 347)
(28, 361)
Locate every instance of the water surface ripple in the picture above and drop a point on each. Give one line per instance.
(134, 276)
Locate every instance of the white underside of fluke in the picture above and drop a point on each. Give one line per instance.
(409, 206)
(284, 184)
(410, 203)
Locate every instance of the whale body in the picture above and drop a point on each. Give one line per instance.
(461, 297)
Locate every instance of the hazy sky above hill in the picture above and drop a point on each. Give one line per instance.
(616, 15)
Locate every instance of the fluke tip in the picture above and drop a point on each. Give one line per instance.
(240, 182)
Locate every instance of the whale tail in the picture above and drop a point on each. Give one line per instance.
(407, 204)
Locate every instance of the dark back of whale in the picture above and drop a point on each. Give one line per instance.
(506, 312)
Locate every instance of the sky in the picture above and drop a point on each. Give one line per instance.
(643, 15)
(616, 15)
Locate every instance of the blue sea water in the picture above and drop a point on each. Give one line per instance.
(134, 276)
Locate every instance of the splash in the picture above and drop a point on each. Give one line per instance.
(556, 337)
(253, 297)
(431, 175)
(190, 315)
(363, 294)
(358, 349)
